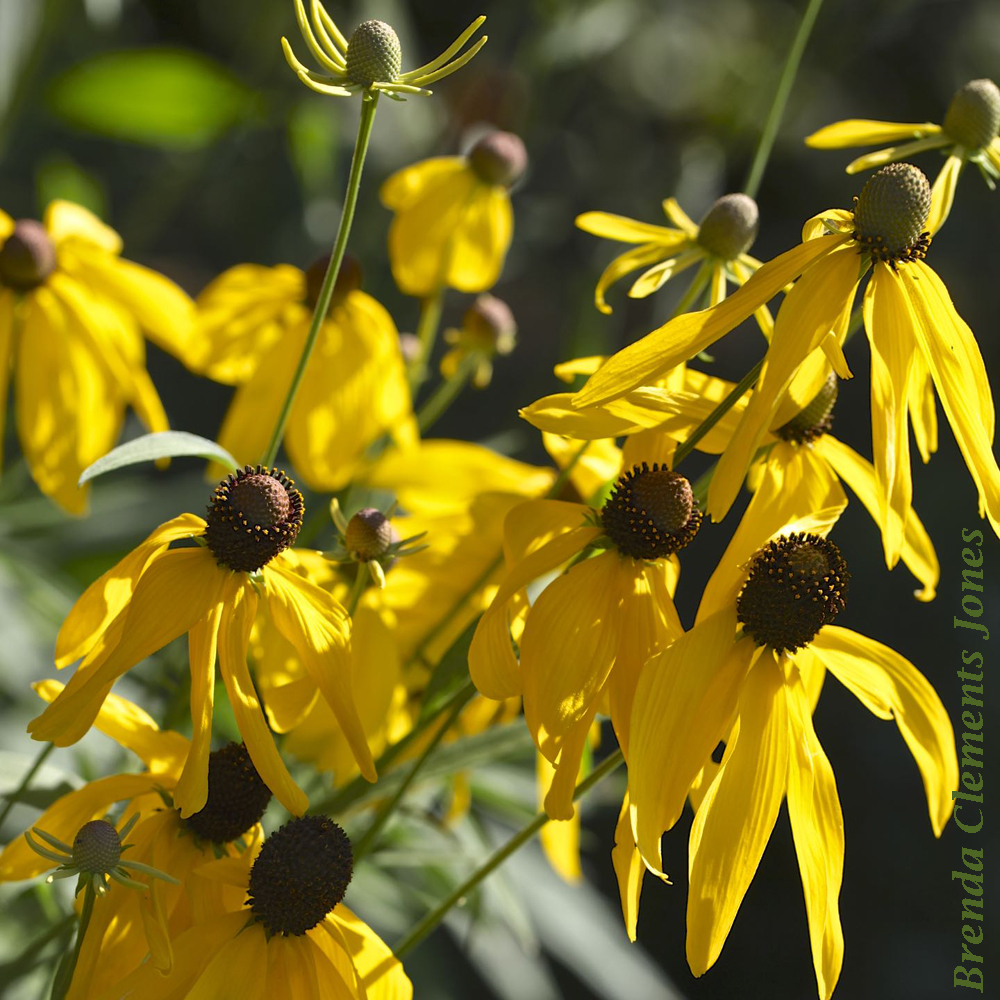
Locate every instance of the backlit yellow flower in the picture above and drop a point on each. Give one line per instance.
(915, 333)
(370, 62)
(453, 221)
(211, 590)
(288, 934)
(584, 638)
(719, 245)
(253, 322)
(749, 673)
(72, 316)
(968, 135)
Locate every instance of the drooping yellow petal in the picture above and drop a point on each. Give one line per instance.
(802, 389)
(65, 817)
(763, 315)
(955, 364)
(923, 408)
(6, 356)
(659, 274)
(717, 286)
(408, 184)
(888, 324)
(480, 240)
(172, 595)
(568, 648)
(889, 686)
(682, 338)
(894, 154)
(566, 371)
(866, 132)
(735, 820)
(107, 595)
(238, 971)
(234, 637)
(66, 221)
(629, 869)
(642, 256)
(818, 831)
(592, 470)
(380, 972)
(6, 225)
(161, 750)
(814, 307)
(556, 415)
(673, 211)
(242, 313)
(319, 629)
(793, 485)
(917, 551)
(625, 230)
(191, 792)
(684, 703)
(943, 192)
(560, 839)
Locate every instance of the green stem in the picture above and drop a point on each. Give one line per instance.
(446, 392)
(427, 328)
(64, 977)
(770, 130)
(432, 919)
(15, 796)
(365, 844)
(695, 289)
(717, 414)
(333, 269)
(357, 588)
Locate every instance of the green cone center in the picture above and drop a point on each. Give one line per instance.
(730, 226)
(373, 54)
(973, 116)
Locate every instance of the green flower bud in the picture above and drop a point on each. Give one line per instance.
(373, 54)
(973, 116)
(730, 226)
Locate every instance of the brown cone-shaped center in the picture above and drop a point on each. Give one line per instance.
(651, 513)
(27, 257)
(237, 797)
(369, 535)
(300, 875)
(796, 585)
(254, 515)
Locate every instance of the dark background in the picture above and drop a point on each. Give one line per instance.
(621, 103)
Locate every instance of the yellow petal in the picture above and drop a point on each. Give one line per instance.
(682, 338)
(888, 324)
(406, 185)
(556, 415)
(242, 314)
(191, 792)
(319, 629)
(626, 263)
(629, 869)
(234, 636)
(238, 971)
(803, 388)
(894, 154)
(480, 241)
(568, 648)
(717, 289)
(818, 831)
(810, 310)
(943, 192)
(953, 357)
(891, 687)
(923, 408)
(625, 230)
(794, 485)
(657, 276)
(6, 225)
(560, 839)
(684, 704)
(763, 315)
(380, 972)
(673, 211)
(866, 132)
(65, 817)
(6, 356)
(592, 470)
(566, 371)
(734, 823)
(65, 221)
(917, 551)
(175, 592)
(106, 596)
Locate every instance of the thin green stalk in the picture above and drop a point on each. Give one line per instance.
(446, 392)
(357, 588)
(770, 130)
(432, 919)
(15, 796)
(717, 414)
(367, 841)
(694, 291)
(427, 329)
(336, 259)
(64, 976)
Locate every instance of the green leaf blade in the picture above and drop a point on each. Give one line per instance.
(152, 447)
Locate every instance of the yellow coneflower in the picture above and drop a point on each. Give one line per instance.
(749, 673)
(288, 934)
(916, 337)
(453, 220)
(253, 322)
(212, 591)
(967, 135)
(718, 244)
(72, 316)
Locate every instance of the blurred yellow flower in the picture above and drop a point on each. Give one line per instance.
(453, 221)
(749, 673)
(968, 135)
(72, 315)
(211, 591)
(718, 244)
(253, 322)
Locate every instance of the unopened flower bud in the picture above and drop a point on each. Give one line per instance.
(490, 326)
(373, 54)
(27, 257)
(730, 226)
(499, 158)
(369, 535)
(973, 116)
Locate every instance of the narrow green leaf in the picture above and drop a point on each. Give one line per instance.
(151, 447)
(159, 97)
